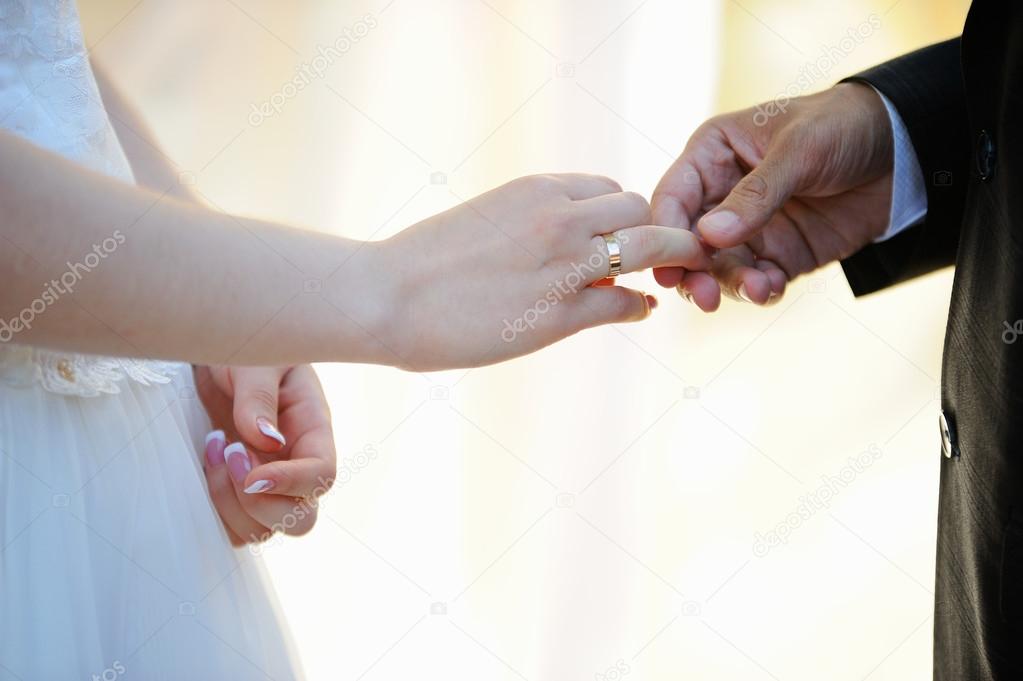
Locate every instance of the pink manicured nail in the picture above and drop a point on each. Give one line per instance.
(215, 442)
(270, 430)
(260, 486)
(238, 464)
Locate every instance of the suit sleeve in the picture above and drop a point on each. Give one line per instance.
(926, 88)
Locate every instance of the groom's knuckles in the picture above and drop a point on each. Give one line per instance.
(754, 200)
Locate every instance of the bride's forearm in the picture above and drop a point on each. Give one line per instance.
(89, 264)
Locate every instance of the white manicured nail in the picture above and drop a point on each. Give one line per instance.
(238, 464)
(270, 430)
(259, 486)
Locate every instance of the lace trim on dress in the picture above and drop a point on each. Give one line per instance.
(79, 375)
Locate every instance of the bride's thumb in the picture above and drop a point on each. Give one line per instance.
(256, 391)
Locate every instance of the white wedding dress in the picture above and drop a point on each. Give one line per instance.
(112, 558)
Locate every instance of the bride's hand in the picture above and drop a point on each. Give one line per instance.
(275, 425)
(512, 271)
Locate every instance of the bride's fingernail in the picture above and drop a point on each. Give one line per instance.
(260, 486)
(270, 430)
(238, 463)
(215, 447)
(651, 301)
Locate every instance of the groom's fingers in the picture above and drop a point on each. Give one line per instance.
(700, 289)
(676, 201)
(679, 194)
(754, 200)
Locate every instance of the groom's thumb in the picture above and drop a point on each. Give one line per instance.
(752, 202)
(255, 406)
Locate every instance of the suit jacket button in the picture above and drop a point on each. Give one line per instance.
(949, 446)
(986, 156)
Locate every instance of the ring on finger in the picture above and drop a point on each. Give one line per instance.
(614, 255)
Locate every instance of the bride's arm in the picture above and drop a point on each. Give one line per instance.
(90, 264)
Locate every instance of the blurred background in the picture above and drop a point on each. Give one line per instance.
(748, 495)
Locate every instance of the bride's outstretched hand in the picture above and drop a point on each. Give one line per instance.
(513, 270)
(273, 451)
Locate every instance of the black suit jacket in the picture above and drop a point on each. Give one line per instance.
(962, 102)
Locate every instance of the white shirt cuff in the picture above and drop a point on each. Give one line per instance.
(909, 194)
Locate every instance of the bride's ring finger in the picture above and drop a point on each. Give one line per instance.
(614, 255)
(634, 249)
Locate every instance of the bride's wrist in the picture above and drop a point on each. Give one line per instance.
(366, 295)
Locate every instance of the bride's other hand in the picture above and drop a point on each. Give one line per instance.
(273, 451)
(512, 270)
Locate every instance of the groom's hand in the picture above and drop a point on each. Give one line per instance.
(779, 194)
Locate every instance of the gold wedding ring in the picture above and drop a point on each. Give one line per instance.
(614, 255)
